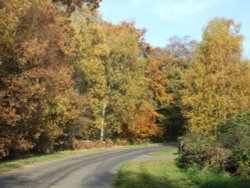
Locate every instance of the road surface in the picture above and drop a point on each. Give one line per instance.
(88, 171)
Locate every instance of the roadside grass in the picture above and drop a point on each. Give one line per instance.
(152, 174)
(13, 164)
(206, 179)
(171, 151)
(165, 173)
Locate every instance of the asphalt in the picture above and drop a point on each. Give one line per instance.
(88, 171)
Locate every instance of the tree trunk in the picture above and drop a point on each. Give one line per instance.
(103, 121)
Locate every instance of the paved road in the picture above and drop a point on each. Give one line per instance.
(89, 171)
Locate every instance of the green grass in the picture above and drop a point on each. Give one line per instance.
(206, 179)
(13, 164)
(171, 151)
(165, 174)
(153, 173)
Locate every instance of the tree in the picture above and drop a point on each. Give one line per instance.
(130, 110)
(90, 73)
(165, 70)
(217, 84)
(72, 5)
(35, 71)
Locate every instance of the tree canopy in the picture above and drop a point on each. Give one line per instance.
(67, 75)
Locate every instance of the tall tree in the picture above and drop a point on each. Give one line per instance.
(35, 72)
(130, 111)
(217, 85)
(165, 70)
(90, 75)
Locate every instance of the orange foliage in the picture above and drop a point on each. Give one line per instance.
(145, 125)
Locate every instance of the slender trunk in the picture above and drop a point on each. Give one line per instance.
(103, 121)
(104, 113)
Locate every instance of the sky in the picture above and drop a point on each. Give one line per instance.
(167, 18)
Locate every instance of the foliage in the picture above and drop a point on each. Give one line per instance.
(165, 70)
(72, 5)
(34, 73)
(66, 76)
(234, 135)
(202, 153)
(229, 152)
(89, 74)
(165, 173)
(130, 109)
(217, 84)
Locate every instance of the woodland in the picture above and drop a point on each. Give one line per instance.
(67, 76)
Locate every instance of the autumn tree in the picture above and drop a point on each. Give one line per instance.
(217, 84)
(165, 73)
(90, 73)
(130, 110)
(36, 75)
(72, 5)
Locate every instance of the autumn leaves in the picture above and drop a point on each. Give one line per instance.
(66, 74)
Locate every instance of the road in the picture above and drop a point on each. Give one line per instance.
(88, 171)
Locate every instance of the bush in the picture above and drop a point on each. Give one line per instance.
(87, 144)
(109, 143)
(234, 134)
(121, 142)
(229, 151)
(202, 152)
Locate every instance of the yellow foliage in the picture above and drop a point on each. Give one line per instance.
(217, 85)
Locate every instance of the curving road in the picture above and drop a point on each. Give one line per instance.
(89, 171)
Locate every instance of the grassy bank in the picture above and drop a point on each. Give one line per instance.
(206, 179)
(10, 165)
(165, 173)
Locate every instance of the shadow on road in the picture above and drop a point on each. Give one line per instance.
(19, 181)
(102, 180)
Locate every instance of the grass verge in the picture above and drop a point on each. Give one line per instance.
(13, 164)
(153, 173)
(206, 179)
(169, 152)
(165, 173)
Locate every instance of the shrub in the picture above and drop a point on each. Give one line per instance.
(82, 144)
(87, 144)
(234, 134)
(229, 151)
(109, 143)
(121, 142)
(201, 152)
